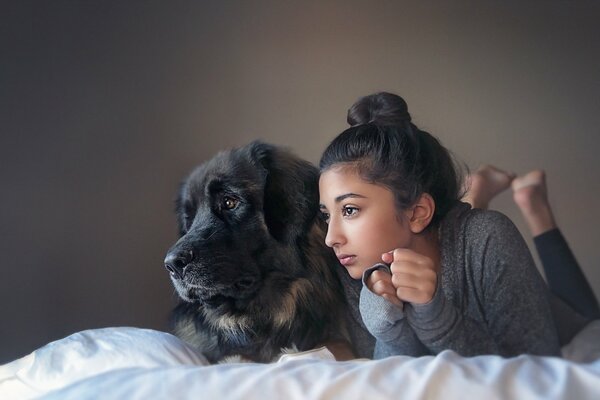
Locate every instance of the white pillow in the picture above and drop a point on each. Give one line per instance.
(585, 346)
(92, 352)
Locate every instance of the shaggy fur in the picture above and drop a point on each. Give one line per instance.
(251, 266)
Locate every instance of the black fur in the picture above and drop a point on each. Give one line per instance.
(251, 266)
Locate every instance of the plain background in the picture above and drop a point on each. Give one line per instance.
(106, 105)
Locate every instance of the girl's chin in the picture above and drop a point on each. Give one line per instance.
(356, 272)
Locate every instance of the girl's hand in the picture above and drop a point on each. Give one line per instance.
(414, 276)
(380, 283)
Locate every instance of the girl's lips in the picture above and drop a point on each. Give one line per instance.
(346, 260)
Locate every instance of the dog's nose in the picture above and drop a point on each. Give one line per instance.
(176, 261)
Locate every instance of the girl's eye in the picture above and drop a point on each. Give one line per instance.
(325, 216)
(349, 211)
(229, 203)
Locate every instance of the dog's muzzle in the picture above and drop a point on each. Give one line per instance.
(176, 262)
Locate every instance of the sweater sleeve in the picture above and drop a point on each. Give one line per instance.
(382, 318)
(387, 323)
(510, 292)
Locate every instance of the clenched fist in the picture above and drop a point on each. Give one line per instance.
(413, 279)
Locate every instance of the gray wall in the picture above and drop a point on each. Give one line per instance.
(105, 106)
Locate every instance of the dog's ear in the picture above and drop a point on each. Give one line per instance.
(291, 191)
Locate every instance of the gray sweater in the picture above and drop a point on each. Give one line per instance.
(490, 298)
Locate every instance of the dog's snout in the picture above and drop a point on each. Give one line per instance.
(177, 261)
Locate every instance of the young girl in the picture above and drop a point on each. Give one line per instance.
(425, 272)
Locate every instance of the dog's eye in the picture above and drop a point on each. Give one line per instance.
(229, 203)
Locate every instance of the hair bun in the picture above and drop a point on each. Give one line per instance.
(381, 108)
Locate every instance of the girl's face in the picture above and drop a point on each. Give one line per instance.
(363, 221)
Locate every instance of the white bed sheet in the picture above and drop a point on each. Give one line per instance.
(133, 363)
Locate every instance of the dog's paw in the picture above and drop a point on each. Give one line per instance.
(319, 353)
(289, 350)
(234, 359)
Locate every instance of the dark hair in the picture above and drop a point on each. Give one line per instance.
(382, 108)
(386, 148)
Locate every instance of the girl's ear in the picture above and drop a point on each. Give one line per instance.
(421, 213)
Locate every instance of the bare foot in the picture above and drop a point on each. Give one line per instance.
(485, 184)
(531, 195)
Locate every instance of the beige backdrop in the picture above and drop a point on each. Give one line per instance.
(105, 107)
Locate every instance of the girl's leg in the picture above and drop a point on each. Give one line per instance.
(485, 184)
(563, 274)
(531, 195)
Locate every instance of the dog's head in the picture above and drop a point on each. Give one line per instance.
(239, 213)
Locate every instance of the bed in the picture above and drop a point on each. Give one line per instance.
(134, 363)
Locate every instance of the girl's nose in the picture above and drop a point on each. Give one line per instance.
(334, 236)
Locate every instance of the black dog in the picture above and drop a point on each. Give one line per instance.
(251, 265)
